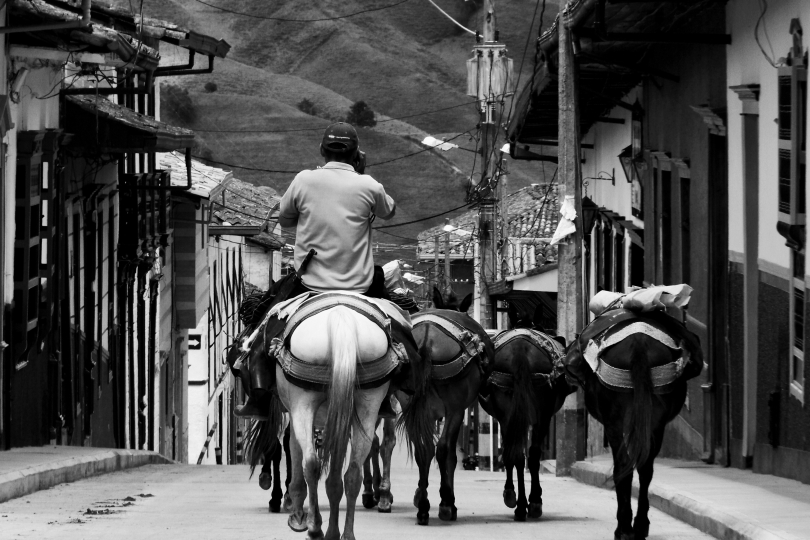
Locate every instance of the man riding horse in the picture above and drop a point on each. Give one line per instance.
(332, 209)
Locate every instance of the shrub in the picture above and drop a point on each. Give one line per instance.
(176, 104)
(360, 114)
(306, 106)
(211, 86)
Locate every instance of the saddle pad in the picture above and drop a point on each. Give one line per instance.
(471, 344)
(594, 349)
(540, 339)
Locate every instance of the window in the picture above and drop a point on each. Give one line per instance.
(792, 155)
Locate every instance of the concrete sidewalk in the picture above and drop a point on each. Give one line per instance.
(26, 470)
(730, 504)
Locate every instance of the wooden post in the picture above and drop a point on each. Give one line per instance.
(571, 419)
(502, 193)
(447, 286)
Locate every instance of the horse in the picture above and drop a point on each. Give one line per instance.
(523, 392)
(376, 480)
(335, 364)
(635, 411)
(459, 352)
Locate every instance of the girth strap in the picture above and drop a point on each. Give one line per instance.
(471, 345)
(507, 381)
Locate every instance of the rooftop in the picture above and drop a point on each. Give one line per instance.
(206, 182)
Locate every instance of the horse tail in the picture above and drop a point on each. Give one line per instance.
(523, 404)
(638, 438)
(416, 422)
(342, 332)
(262, 435)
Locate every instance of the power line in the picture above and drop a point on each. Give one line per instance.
(452, 19)
(418, 152)
(423, 219)
(284, 19)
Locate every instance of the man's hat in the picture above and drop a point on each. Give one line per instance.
(341, 138)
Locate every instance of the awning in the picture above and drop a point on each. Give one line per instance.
(97, 38)
(101, 126)
(613, 42)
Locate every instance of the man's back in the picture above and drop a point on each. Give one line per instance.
(333, 206)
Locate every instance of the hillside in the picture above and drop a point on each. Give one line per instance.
(402, 61)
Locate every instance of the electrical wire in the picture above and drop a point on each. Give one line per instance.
(763, 4)
(284, 19)
(453, 20)
(422, 219)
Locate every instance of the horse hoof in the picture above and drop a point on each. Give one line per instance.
(368, 500)
(535, 510)
(384, 509)
(298, 525)
(315, 535)
(624, 536)
(520, 516)
(509, 498)
(422, 519)
(265, 481)
(275, 507)
(447, 513)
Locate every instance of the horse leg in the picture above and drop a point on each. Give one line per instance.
(302, 421)
(368, 479)
(386, 451)
(446, 456)
(288, 463)
(535, 449)
(334, 491)
(297, 490)
(266, 476)
(641, 525)
(624, 486)
(367, 406)
(275, 497)
(424, 457)
(375, 467)
(509, 497)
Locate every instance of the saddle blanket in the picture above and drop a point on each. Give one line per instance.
(671, 298)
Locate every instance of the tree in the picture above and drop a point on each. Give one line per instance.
(211, 86)
(360, 114)
(176, 104)
(308, 107)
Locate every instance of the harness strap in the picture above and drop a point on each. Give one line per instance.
(621, 378)
(507, 381)
(538, 338)
(471, 345)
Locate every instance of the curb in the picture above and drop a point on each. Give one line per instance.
(20, 483)
(714, 522)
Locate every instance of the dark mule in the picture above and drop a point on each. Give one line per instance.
(635, 418)
(451, 393)
(271, 473)
(524, 391)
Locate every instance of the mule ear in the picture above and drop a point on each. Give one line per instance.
(537, 318)
(511, 314)
(560, 340)
(466, 303)
(438, 301)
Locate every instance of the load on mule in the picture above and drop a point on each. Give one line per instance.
(526, 388)
(633, 362)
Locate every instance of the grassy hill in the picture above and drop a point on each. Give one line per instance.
(404, 60)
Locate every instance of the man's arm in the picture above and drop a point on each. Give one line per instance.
(287, 210)
(384, 205)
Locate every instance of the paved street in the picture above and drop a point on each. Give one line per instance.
(188, 501)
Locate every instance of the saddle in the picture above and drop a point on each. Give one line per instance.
(585, 355)
(373, 373)
(540, 340)
(473, 343)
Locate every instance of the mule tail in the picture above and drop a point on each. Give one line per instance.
(516, 432)
(638, 438)
(262, 435)
(342, 332)
(416, 421)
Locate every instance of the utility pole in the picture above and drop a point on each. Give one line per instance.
(436, 263)
(571, 418)
(447, 285)
(490, 74)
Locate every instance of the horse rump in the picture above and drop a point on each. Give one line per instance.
(637, 438)
(523, 406)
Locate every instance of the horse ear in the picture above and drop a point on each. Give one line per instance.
(438, 301)
(560, 340)
(466, 303)
(511, 314)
